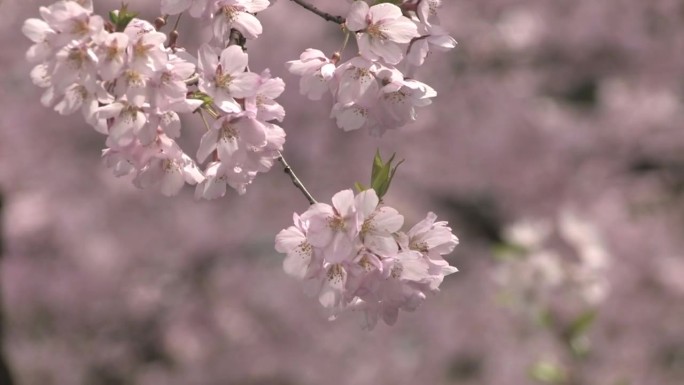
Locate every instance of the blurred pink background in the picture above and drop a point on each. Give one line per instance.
(543, 106)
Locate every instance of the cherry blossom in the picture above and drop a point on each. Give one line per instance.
(224, 77)
(355, 258)
(380, 30)
(316, 71)
(238, 14)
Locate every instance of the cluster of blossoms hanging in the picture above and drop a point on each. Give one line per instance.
(131, 86)
(354, 256)
(131, 83)
(369, 91)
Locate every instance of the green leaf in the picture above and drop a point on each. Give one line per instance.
(114, 17)
(505, 251)
(581, 325)
(545, 318)
(206, 99)
(382, 173)
(547, 373)
(121, 17)
(377, 164)
(359, 187)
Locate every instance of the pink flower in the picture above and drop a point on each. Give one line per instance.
(378, 223)
(146, 52)
(112, 55)
(126, 121)
(357, 80)
(223, 76)
(431, 36)
(381, 29)
(262, 105)
(197, 8)
(334, 228)
(426, 9)
(170, 172)
(316, 71)
(231, 136)
(301, 261)
(238, 14)
(354, 257)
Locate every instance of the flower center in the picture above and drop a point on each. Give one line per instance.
(376, 32)
(230, 12)
(336, 223)
(170, 165)
(367, 225)
(397, 269)
(419, 246)
(335, 274)
(304, 249)
(395, 97)
(365, 263)
(228, 131)
(80, 27)
(223, 80)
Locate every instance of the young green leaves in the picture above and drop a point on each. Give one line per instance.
(382, 174)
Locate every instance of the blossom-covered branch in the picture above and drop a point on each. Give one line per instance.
(132, 82)
(324, 15)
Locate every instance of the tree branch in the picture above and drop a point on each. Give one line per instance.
(324, 15)
(5, 372)
(288, 170)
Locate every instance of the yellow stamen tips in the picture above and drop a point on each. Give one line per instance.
(140, 49)
(365, 263)
(376, 32)
(336, 223)
(134, 78)
(170, 166)
(397, 269)
(228, 131)
(223, 81)
(113, 51)
(361, 73)
(80, 27)
(367, 226)
(77, 57)
(229, 12)
(395, 97)
(335, 274)
(305, 249)
(419, 246)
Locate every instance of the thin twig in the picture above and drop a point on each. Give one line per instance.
(175, 26)
(325, 15)
(298, 183)
(6, 377)
(236, 38)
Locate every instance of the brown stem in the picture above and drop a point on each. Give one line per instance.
(236, 38)
(324, 15)
(295, 180)
(5, 373)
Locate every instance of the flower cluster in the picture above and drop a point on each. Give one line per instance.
(224, 15)
(369, 91)
(354, 256)
(132, 85)
(536, 270)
